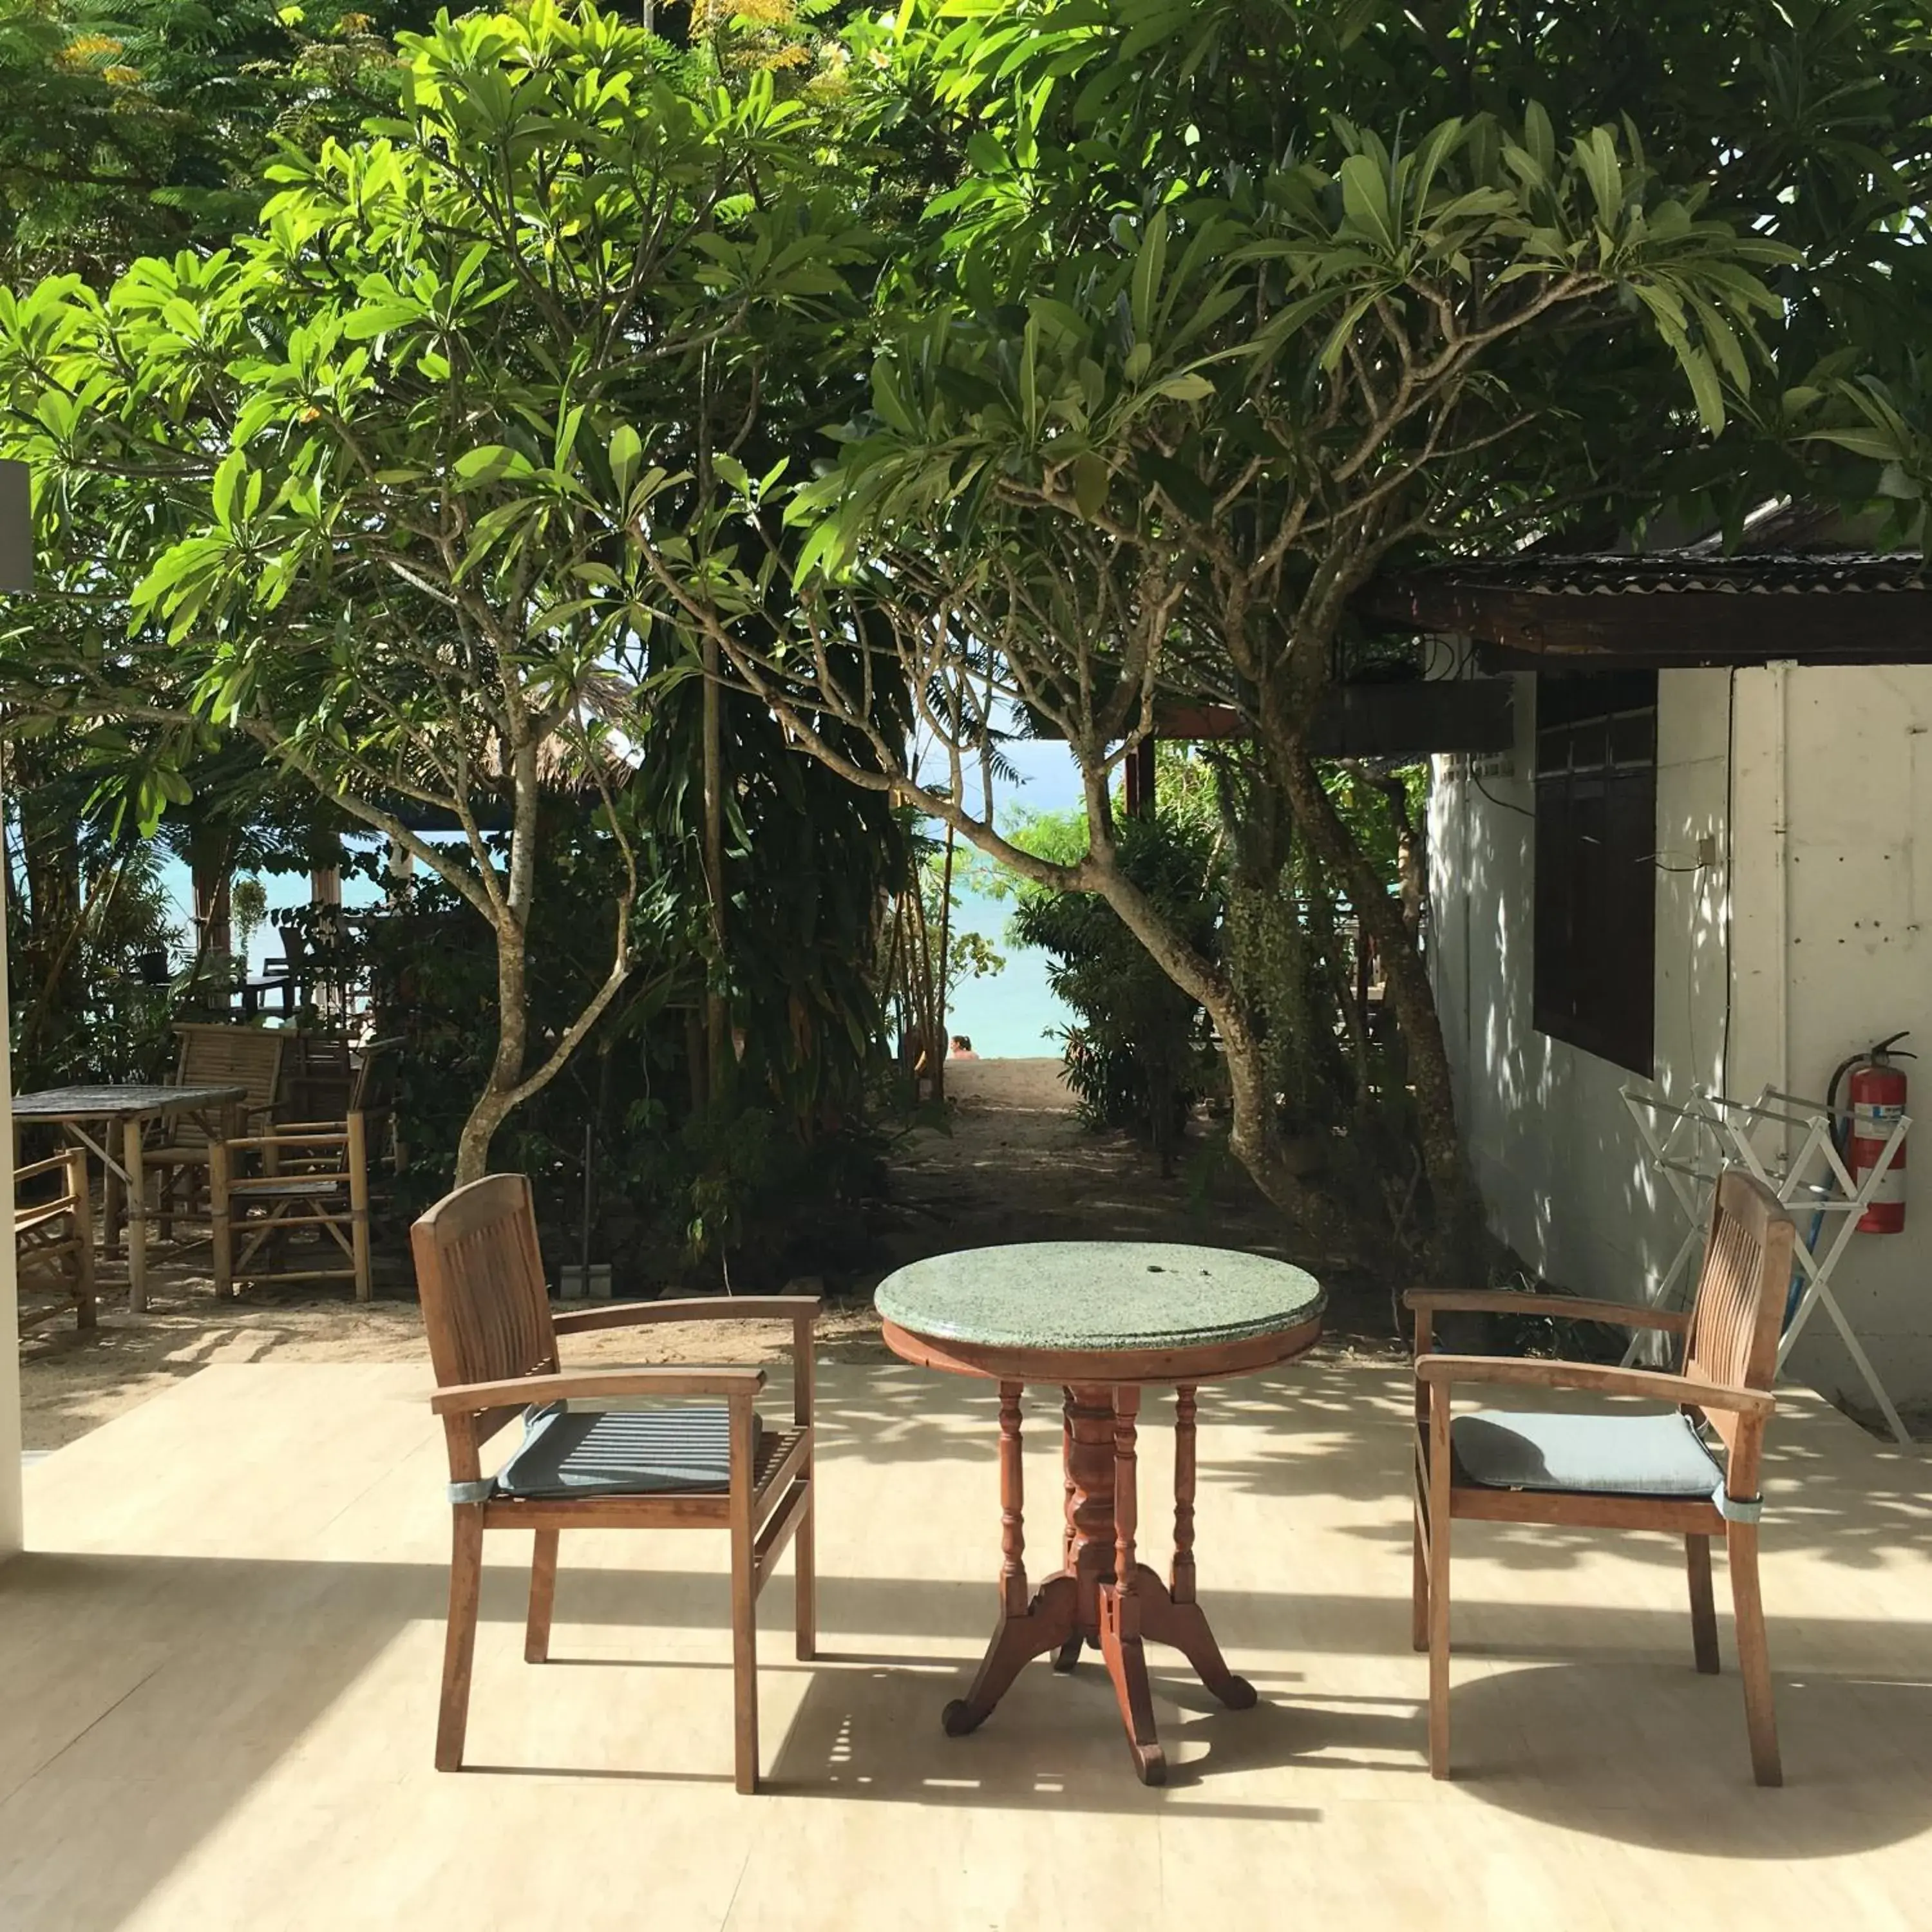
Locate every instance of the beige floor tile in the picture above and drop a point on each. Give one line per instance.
(218, 1672)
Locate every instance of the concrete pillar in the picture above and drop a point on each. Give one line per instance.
(12, 1526)
(16, 573)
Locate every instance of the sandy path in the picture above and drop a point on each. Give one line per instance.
(1016, 1165)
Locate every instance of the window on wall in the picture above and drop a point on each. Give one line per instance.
(1596, 844)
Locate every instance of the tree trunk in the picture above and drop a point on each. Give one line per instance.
(1254, 1133)
(941, 1035)
(717, 1018)
(493, 1104)
(211, 865)
(1409, 992)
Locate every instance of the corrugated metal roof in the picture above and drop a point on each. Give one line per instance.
(1663, 573)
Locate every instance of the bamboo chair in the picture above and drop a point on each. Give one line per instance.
(59, 1228)
(1620, 1470)
(492, 1341)
(211, 1053)
(315, 1174)
(319, 1076)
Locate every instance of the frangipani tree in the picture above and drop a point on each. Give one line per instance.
(361, 486)
(1162, 460)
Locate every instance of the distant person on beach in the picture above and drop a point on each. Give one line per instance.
(962, 1048)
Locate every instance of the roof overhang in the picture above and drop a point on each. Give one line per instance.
(1678, 608)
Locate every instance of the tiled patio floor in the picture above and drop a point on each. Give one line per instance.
(218, 1678)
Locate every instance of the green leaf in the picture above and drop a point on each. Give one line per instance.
(1540, 138)
(1597, 156)
(626, 448)
(1149, 264)
(1190, 387)
(1365, 200)
(1091, 479)
(1872, 442)
(885, 397)
(493, 462)
(228, 480)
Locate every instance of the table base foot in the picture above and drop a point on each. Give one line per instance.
(1184, 1628)
(1052, 1622)
(1048, 1623)
(1127, 1665)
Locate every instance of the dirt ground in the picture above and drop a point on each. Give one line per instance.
(1016, 1165)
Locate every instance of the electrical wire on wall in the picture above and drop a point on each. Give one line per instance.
(1506, 805)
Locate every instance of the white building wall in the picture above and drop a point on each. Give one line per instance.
(1794, 949)
(1554, 1152)
(1847, 890)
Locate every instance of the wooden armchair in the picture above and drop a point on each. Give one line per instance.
(211, 1053)
(58, 1227)
(1620, 1469)
(492, 1341)
(314, 1174)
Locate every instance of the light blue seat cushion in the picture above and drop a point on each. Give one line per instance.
(620, 1452)
(1609, 1455)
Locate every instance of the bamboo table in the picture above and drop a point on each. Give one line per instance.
(129, 1109)
(1102, 1320)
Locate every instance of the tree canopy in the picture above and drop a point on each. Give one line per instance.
(985, 366)
(359, 485)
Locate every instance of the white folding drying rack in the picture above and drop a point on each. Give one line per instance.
(1691, 1142)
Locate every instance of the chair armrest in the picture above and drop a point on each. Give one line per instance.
(1563, 1307)
(1535, 1372)
(282, 1142)
(688, 1308)
(589, 1384)
(35, 1168)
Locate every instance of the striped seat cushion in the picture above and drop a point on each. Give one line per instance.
(621, 1452)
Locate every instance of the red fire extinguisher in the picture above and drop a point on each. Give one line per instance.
(1877, 1095)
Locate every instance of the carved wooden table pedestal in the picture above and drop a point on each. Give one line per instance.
(1101, 1320)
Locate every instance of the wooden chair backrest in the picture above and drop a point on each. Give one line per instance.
(1739, 1308)
(480, 1277)
(318, 1076)
(373, 1089)
(214, 1055)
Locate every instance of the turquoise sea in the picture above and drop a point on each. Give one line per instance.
(1005, 1015)
(1009, 1014)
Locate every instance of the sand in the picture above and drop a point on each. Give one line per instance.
(1013, 1164)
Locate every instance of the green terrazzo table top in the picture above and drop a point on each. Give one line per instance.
(1101, 1295)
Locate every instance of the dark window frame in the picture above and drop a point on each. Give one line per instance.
(1593, 950)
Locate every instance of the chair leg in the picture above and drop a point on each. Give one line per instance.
(1703, 1609)
(804, 1564)
(83, 1239)
(1438, 1646)
(459, 1648)
(358, 1151)
(220, 1222)
(1753, 1654)
(1418, 1586)
(1440, 1506)
(359, 1257)
(744, 1655)
(543, 1596)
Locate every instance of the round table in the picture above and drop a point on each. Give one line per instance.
(1101, 1320)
